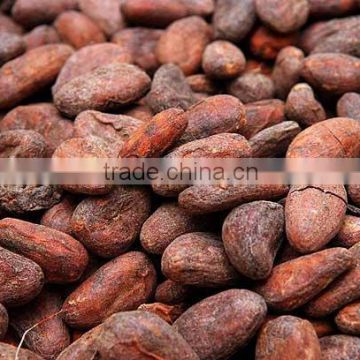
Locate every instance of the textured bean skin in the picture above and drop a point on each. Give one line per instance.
(114, 129)
(168, 313)
(233, 19)
(21, 279)
(29, 198)
(109, 225)
(274, 140)
(293, 283)
(169, 89)
(198, 259)
(83, 348)
(251, 87)
(8, 352)
(153, 138)
(58, 216)
(221, 324)
(287, 70)
(338, 347)
(261, 115)
(89, 147)
(89, 59)
(349, 233)
(223, 60)
(43, 118)
(286, 333)
(203, 121)
(283, 16)
(302, 106)
(4, 321)
(22, 144)
(354, 193)
(314, 215)
(106, 89)
(211, 198)
(200, 83)
(170, 292)
(341, 292)
(183, 43)
(51, 336)
(348, 319)
(167, 223)
(62, 258)
(120, 285)
(37, 69)
(252, 235)
(144, 336)
(335, 73)
(349, 106)
(333, 138)
(141, 44)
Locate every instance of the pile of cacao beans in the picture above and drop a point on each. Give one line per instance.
(179, 272)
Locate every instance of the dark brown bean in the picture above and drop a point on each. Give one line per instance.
(22, 144)
(288, 338)
(302, 106)
(221, 324)
(12, 45)
(211, 198)
(141, 44)
(145, 335)
(287, 70)
(88, 59)
(336, 8)
(183, 44)
(109, 225)
(295, 282)
(223, 60)
(78, 30)
(120, 285)
(349, 106)
(170, 292)
(275, 140)
(200, 83)
(4, 321)
(37, 69)
(283, 16)
(198, 259)
(61, 257)
(252, 87)
(107, 88)
(167, 223)
(169, 89)
(21, 279)
(43, 118)
(342, 347)
(233, 19)
(51, 336)
(252, 235)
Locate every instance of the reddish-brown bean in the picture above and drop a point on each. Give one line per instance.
(8, 352)
(349, 106)
(170, 292)
(342, 347)
(168, 313)
(12, 45)
(41, 35)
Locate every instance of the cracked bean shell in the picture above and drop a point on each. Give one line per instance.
(288, 338)
(140, 335)
(314, 215)
(252, 234)
(198, 259)
(109, 225)
(21, 279)
(108, 88)
(122, 284)
(62, 258)
(295, 282)
(332, 138)
(221, 324)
